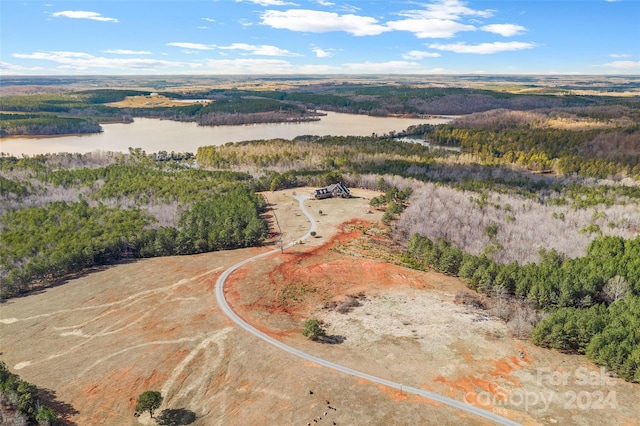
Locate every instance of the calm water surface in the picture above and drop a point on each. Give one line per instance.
(154, 135)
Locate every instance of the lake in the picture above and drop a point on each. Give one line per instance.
(153, 135)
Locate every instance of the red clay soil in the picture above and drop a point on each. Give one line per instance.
(324, 274)
(321, 275)
(100, 340)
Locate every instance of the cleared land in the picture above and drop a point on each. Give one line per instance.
(98, 341)
(151, 101)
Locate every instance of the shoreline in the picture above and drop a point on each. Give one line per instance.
(316, 116)
(154, 135)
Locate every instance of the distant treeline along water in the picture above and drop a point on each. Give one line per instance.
(155, 135)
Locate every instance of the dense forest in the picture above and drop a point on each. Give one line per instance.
(53, 114)
(45, 124)
(75, 218)
(592, 153)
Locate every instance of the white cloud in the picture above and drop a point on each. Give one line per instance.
(264, 50)
(314, 21)
(58, 56)
(349, 8)
(624, 65)
(325, 3)
(446, 10)
(127, 52)
(620, 55)
(430, 28)
(443, 19)
(81, 14)
(505, 30)
(84, 61)
(391, 67)
(7, 69)
(193, 46)
(245, 22)
(322, 53)
(483, 48)
(208, 19)
(419, 54)
(440, 19)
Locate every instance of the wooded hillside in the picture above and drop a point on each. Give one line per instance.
(75, 218)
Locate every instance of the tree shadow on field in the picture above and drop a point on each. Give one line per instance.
(42, 287)
(273, 237)
(334, 339)
(175, 417)
(64, 410)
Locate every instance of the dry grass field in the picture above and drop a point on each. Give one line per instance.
(150, 101)
(99, 340)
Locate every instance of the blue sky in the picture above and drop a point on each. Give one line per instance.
(319, 37)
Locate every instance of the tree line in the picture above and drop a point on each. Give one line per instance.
(607, 335)
(20, 403)
(384, 100)
(593, 301)
(45, 124)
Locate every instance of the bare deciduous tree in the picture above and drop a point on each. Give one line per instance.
(502, 304)
(615, 289)
(523, 320)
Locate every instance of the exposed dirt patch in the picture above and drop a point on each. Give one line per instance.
(100, 340)
(577, 123)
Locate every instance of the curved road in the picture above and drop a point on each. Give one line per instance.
(408, 389)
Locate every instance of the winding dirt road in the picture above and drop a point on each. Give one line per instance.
(224, 305)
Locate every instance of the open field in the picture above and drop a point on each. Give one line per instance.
(149, 101)
(98, 341)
